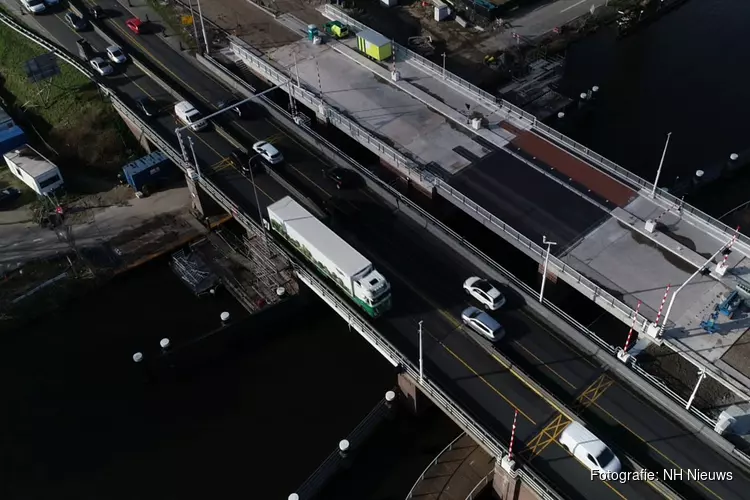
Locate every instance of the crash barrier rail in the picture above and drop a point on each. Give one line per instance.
(502, 106)
(448, 448)
(345, 310)
(257, 64)
(323, 145)
(479, 488)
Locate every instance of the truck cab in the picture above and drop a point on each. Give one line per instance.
(374, 291)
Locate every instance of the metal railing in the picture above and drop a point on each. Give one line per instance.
(479, 488)
(448, 448)
(308, 97)
(321, 144)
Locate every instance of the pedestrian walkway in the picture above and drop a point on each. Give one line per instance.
(454, 473)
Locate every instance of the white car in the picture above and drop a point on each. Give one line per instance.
(116, 55)
(34, 6)
(268, 151)
(483, 324)
(482, 290)
(101, 66)
(189, 116)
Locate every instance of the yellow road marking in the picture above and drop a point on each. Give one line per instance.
(594, 391)
(547, 435)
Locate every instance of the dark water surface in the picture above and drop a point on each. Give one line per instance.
(78, 421)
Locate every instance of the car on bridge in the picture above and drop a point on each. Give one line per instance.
(147, 107)
(240, 110)
(483, 324)
(341, 177)
(96, 12)
(135, 25)
(34, 6)
(101, 66)
(482, 290)
(268, 152)
(76, 22)
(589, 449)
(116, 54)
(189, 116)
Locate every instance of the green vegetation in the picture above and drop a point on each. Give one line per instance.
(172, 15)
(65, 116)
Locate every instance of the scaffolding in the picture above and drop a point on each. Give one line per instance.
(193, 271)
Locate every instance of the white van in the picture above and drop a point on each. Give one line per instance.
(589, 449)
(188, 115)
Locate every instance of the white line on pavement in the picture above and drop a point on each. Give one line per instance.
(574, 5)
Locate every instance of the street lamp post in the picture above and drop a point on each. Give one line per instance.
(444, 54)
(195, 158)
(421, 360)
(674, 295)
(203, 26)
(658, 171)
(549, 244)
(701, 376)
(255, 190)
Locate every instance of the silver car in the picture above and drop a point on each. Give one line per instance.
(483, 323)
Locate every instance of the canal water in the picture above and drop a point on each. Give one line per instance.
(79, 421)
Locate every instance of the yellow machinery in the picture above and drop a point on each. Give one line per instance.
(336, 30)
(374, 45)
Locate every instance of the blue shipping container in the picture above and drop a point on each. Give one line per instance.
(11, 135)
(151, 169)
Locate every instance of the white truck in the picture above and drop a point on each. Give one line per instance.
(334, 257)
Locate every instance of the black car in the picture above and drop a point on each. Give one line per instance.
(146, 106)
(76, 22)
(85, 50)
(238, 110)
(342, 177)
(241, 160)
(96, 12)
(9, 195)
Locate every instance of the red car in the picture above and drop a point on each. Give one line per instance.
(135, 25)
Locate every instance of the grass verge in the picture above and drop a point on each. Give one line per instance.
(172, 14)
(65, 115)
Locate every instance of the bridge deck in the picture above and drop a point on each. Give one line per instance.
(455, 472)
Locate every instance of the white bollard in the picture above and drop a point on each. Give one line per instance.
(343, 447)
(734, 157)
(164, 343)
(138, 357)
(390, 396)
(561, 115)
(293, 496)
(224, 317)
(280, 291)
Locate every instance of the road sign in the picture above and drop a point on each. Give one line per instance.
(187, 20)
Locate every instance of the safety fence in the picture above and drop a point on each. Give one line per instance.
(434, 461)
(336, 155)
(485, 439)
(257, 64)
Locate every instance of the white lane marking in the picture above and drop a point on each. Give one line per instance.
(572, 6)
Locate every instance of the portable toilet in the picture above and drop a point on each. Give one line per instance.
(374, 45)
(312, 32)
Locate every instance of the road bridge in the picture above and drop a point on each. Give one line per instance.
(466, 370)
(513, 173)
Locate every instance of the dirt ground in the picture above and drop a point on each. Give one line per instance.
(681, 376)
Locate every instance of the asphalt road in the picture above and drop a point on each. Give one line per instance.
(426, 279)
(526, 199)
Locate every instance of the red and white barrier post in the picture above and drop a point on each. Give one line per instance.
(632, 327)
(661, 307)
(722, 267)
(512, 436)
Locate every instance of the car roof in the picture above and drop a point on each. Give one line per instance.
(581, 435)
(184, 107)
(114, 47)
(98, 60)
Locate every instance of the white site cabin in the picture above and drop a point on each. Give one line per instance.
(34, 170)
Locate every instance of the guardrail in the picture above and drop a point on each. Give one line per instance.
(448, 448)
(500, 105)
(479, 488)
(336, 155)
(309, 98)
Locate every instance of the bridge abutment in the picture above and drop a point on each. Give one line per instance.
(136, 131)
(414, 400)
(505, 484)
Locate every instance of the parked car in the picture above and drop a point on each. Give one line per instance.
(101, 66)
(34, 6)
(268, 152)
(589, 449)
(188, 115)
(116, 54)
(96, 12)
(482, 290)
(342, 177)
(483, 323)
(238, 110)
(76, 22)
(135, 25)
(9, 195)
(241, 160)
(146, 106)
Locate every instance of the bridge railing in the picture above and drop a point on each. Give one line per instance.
(434, 461)
(502, 106)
